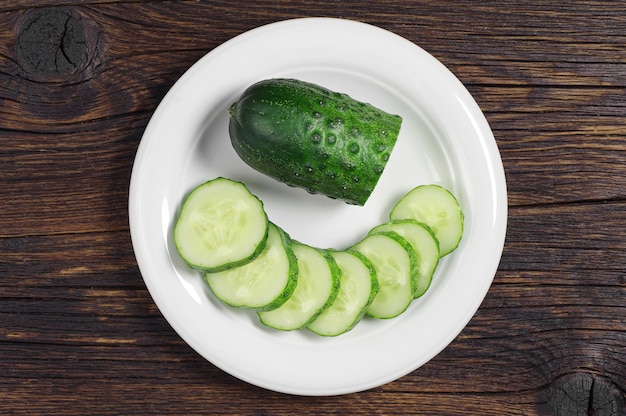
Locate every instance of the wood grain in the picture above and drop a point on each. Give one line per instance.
(79, 333)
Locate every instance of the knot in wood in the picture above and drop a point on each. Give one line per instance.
(52, 42)
(584, 394)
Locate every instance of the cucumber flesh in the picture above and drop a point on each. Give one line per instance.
(317, 287)
(266, 282)
(249, 262)
(436, 207)
(220, 225)
(358, 288)
(425, 246)
(393, 259)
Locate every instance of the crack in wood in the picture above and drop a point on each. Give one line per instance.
(52, 42)
(590, 404)
(583, 394)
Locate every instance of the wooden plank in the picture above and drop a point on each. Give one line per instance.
(111, 328)
(132, 81)
(79, 332)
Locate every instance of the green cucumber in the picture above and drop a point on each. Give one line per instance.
(248, 262)
(266, 282)
(306, 136)
(317, 288)
(220, 225)
(357, 290)
(425, 246)
(393, 259)
(436, 207)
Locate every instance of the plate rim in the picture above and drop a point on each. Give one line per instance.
(142, 150)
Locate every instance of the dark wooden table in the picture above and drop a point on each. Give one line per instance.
(79, 332)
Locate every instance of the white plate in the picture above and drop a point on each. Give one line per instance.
(444, 139)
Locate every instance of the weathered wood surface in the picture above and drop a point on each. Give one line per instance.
(79, 333)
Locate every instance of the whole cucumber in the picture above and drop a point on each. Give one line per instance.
(307, 136)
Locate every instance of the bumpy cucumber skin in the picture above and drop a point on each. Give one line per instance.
(307, 136)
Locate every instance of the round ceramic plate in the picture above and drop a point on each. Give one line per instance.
(444, 139)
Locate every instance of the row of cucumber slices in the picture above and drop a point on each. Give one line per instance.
(250, 262)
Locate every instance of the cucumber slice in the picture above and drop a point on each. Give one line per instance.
(425, 246)
(358, 288)
(436, 207)
(393, 259)
(220, 225)
(266, 282)
(318, 285)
